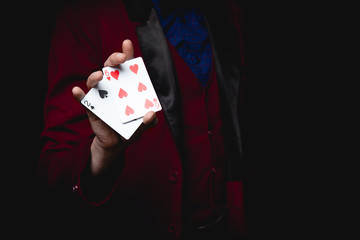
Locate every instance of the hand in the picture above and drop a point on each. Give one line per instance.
(108, 144)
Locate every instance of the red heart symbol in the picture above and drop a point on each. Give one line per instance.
(115, 74)
(134, 68)
(141, 87)
(129, 111)
(156, 103)
(122, 93)
(108, 78)
(148, 104)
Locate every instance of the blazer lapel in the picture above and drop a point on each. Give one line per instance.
(162, 73)
(160, 67)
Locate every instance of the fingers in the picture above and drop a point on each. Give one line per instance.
(150, 119)
(115, 59)
(128, 49)
(93, 79)
(119, 58)
(78, 93)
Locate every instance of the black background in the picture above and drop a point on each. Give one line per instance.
(284, 44)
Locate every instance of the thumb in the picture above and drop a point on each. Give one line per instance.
(78, 93)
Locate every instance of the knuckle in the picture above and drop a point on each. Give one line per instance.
(93, 79)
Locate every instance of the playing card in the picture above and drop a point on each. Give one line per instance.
(99, 101)
(131, 89)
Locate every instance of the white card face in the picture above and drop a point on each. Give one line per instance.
(131, 90)
(99, 101)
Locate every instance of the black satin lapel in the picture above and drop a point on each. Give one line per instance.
(160, 67)
(227, 63)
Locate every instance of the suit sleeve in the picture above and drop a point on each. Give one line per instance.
(74, 54)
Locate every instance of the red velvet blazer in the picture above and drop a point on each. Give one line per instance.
(84, 36)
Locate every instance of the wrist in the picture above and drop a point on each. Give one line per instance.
(102, 158)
